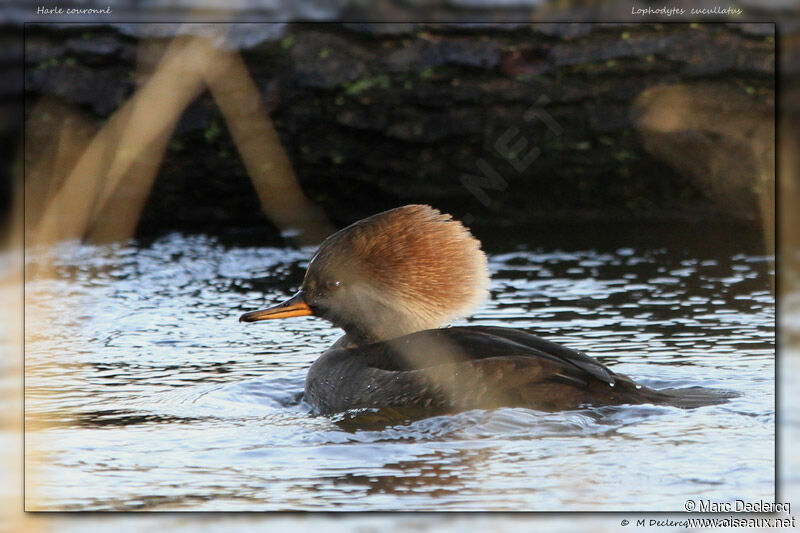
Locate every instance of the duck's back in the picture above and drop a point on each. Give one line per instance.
(461, 368)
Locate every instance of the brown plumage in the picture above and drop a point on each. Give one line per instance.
(402, 263)
(390, 281)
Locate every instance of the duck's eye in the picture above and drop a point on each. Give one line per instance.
(331, 285)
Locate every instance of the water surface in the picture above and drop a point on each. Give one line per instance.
(143, 392)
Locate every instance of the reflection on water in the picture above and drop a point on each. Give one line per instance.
(144, 392)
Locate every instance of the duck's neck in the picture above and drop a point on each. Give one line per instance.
(372, 320)
(350, 341)
(356, 336)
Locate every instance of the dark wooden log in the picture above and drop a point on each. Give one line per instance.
(498, 123)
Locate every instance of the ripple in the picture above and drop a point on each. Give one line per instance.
(148, 394)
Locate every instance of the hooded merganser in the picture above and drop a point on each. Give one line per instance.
(391, 282)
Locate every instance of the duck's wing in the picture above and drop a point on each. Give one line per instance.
(483, 367)
(485, 345)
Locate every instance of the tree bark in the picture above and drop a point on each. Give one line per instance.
(496, 123)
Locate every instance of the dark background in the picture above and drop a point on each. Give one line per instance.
(377, 115)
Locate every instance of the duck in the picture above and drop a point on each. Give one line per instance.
(393, 282)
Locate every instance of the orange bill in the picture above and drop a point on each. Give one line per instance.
(294, 306)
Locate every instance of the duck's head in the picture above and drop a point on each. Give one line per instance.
(394, 273)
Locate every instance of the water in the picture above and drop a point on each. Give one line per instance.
(143, 392)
